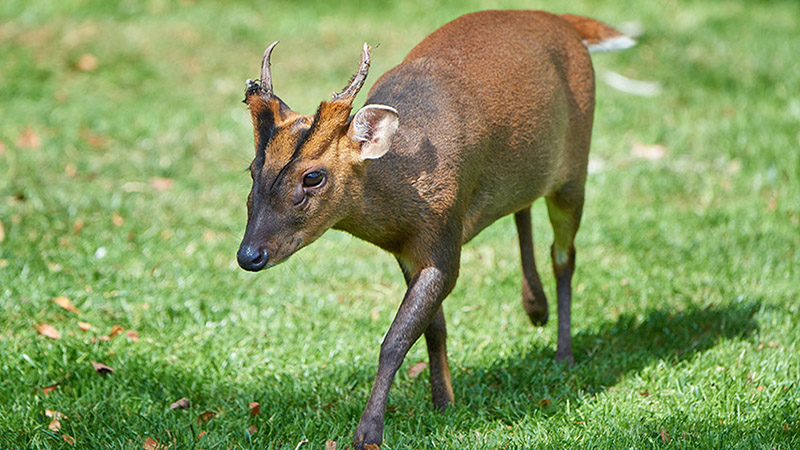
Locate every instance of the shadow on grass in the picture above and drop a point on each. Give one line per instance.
(604, 356)
(328, 402)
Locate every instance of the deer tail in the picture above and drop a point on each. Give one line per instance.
(597, 36)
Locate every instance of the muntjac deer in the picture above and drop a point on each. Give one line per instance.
(484, 116)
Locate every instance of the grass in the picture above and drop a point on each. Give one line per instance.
(122, 187)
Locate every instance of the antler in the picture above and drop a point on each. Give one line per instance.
(349, 93)
(263, 86)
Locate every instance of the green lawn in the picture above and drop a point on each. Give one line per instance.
(123, 149)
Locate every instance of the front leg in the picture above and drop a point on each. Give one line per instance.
(426, 290)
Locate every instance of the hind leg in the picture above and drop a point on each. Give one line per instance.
(533, 299)
(564, 208)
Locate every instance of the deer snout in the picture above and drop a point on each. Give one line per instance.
(252, 258)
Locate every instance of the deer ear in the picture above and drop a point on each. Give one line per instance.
(373, 127)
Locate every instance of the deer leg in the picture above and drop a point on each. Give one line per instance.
(435, 338)
(436, 341)
(564, 208)
(533, 298)
(420, 306)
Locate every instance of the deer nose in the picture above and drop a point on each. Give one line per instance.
(251, 258)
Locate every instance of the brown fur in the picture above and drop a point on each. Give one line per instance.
(495, 110)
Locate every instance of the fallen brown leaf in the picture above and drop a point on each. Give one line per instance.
(255, 408)
(77, 227)
(132, 335)
(117, 220)
(48, 389)
(55, 425)
(416, 369)
(760, 388)
(84, 326)
(101, 368)
(115, 331)
(29, 139)
(48, 331)
(206, 416)
(664, 436)
(202, 433)
(251, 430)
(772, 344)
(68, 439)
(87, 63)
(545, 402)
(66, 303)
(330, 445)
(182, 403)
(152, 444)
(161, 184)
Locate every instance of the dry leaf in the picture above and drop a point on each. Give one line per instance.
(760, 388)
(65, 303)
(96, 141)
(68, 439)
(132, 335)
(180, 404)
(2, 232)
(29, 139)
(161, 184)
(255, 408)
(87, 62)
(48, 331)
(101, 368)
(772, 344)
(649, 152)
(202, 433)
(55, 425)
(84, 326)
(115, 330)
(664, 436)
(251, 430)
(206, 416)
(416, 369)
(330, 445)
(545, 402)
(70, 170)
(53, 414)
(77, 227)
(117, 220)
(152, 444)
(48, 389)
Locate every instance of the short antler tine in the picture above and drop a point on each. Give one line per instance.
(349, 93)
(266, 76)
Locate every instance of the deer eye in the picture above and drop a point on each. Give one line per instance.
(313, 179)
